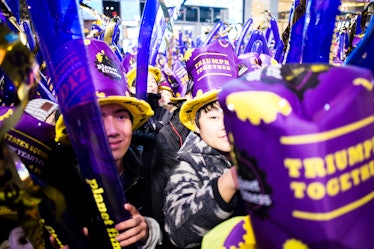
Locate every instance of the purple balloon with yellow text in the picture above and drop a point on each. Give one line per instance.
(303, 141)
(77, 66)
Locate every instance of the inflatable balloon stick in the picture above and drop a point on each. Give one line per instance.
(309, 185)
(73, 64)
(163, 23)
(274, 31)
(362, 55)
(243, 34)
(18, 65)
(319, 29)
(213, 33)
(279, 51)
(142, 58)
(19, 72)
(111, 35)
(181, 42)
(293, 39)
(17, 192)
(9, 95)
(256, 37)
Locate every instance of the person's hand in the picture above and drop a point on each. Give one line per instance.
(4, 104)
(228, 184)
(132, 230)
(56, 245)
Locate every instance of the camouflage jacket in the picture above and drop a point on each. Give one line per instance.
(193, 204)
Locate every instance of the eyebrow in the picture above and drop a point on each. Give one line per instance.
(121, 110)
(124, 110)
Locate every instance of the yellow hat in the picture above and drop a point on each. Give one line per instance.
(110, 86)
(131, 75)
(164, 85)
(210, 67)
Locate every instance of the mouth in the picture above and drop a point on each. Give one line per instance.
(224, 137)
(114, 144)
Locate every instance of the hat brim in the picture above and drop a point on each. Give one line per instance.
(177, 99)
(140, 110)
(131, 75)
(189, 108)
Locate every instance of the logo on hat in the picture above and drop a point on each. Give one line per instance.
(107, 66)
(210, 68)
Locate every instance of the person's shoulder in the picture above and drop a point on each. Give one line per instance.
(134, 154)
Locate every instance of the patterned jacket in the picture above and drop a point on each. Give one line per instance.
(193, 204)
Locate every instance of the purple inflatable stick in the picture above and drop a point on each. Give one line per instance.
(72, 78)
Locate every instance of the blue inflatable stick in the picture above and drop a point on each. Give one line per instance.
(142, 57)
(319, 29)
(62, 41)
(363, 54)
(243, 34)
(212, 34)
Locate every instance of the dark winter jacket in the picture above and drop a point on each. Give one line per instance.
(168, 141)
(193, 205)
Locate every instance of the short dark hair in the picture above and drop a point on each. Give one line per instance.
(128, 112)
(206, 108)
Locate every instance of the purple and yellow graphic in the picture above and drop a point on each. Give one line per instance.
(74, 77)
(234, 233)
(303, 140)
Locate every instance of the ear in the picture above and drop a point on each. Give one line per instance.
(197, 129)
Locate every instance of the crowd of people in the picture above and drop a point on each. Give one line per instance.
(171, 151)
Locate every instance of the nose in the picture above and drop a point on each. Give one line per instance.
(222, 123)
(110, 126)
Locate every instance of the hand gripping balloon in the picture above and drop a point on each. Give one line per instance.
(310, 183)
(73, 67)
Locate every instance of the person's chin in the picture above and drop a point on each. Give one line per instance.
(117, 155)
(226, 150)
(226, 146)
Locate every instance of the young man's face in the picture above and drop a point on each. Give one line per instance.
(152, 86)
(118, 128)
(212, 129)
(165, 98)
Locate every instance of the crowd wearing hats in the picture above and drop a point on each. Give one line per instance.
(233, 147)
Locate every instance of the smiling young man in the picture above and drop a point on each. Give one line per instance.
(118, 127)
(202, 186)
(122, 114)
(202, 191)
